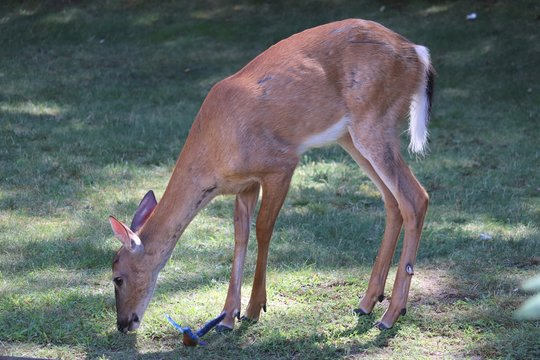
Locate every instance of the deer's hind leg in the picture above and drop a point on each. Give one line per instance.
(377, 140)
(394, 221)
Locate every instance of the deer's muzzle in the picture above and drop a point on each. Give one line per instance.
(129, 324)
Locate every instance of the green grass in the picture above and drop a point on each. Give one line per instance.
(96, 100)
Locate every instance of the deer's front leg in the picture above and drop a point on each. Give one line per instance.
(243, 212)
(274, 191)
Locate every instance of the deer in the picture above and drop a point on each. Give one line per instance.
(351, 82)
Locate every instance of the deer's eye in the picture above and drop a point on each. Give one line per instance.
(118, 281)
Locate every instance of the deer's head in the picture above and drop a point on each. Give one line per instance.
(134, 280)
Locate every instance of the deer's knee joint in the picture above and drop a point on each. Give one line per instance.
(415, 210)
(392, 210)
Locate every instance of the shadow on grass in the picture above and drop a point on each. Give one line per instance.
(246, 342)
(69, 317)
(488, 319)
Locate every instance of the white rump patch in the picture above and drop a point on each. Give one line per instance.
(325, 137)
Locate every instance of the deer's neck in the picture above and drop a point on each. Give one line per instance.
(190, 188)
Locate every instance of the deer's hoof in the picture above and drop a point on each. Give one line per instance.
(223, 329)
(360, 312)
(381, 326)
(247, 320)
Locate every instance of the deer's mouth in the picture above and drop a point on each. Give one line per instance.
(131, 323)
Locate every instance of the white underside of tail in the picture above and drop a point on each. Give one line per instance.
(419, 109)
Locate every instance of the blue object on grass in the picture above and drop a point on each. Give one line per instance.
(194, 339)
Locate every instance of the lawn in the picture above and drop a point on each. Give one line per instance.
(96, 100)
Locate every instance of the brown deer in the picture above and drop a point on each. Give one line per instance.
(352, 82)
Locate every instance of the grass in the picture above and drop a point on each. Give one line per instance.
(96, 100)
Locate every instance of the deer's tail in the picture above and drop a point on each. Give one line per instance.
(420, 108)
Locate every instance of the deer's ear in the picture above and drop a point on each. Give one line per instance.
(143, 212)
(129, 239)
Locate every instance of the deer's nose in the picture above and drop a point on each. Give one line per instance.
(129, 324)
(135, 322)
(123, 326)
